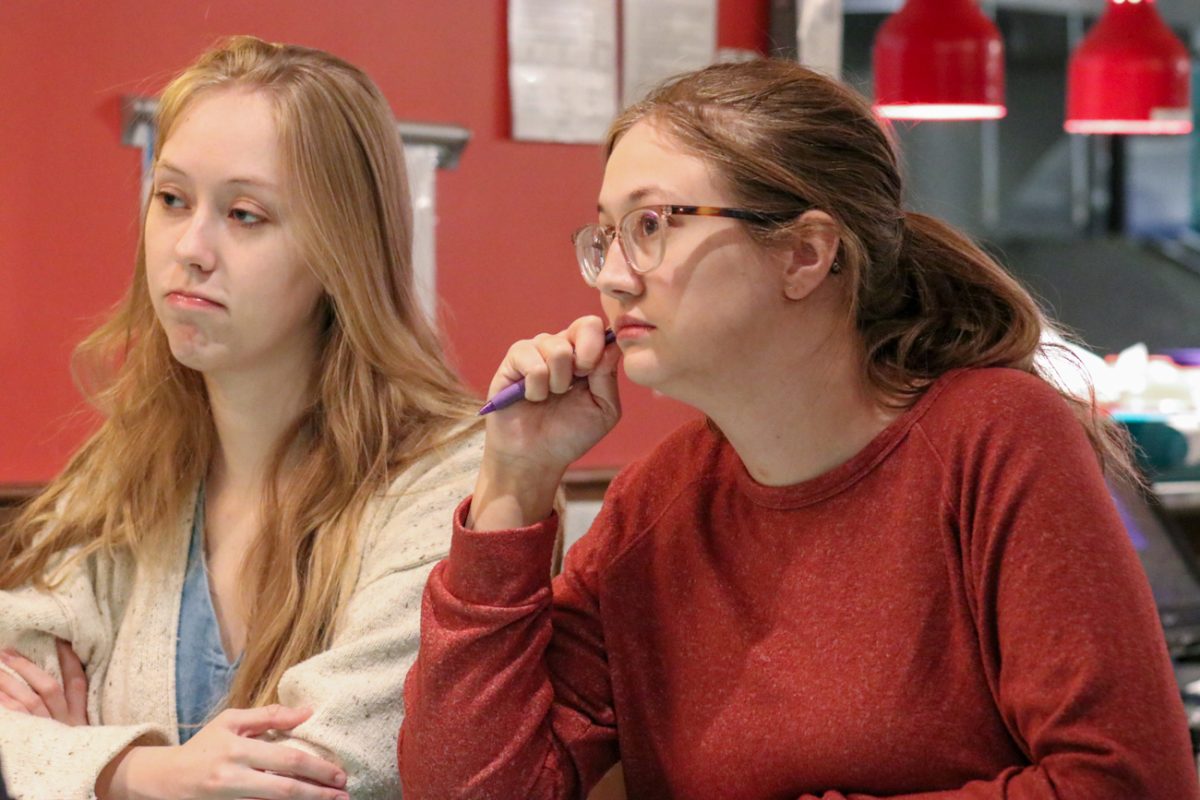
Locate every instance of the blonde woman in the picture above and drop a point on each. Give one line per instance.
(219, 595)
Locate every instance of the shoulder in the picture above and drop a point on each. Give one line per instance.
(998, 389)
(453, 459)
(676, 471)
(996, 403)
(686, 455)
(409, 523)
(1001, 426)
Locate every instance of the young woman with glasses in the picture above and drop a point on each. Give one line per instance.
(886, 565)
(218, 598)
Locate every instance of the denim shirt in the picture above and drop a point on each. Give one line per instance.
(202, 669)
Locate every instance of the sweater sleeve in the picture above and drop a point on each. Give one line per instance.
(510, 695)
(1070, 640)
(34, 750)
(355, 687)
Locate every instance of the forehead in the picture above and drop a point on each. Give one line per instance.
(649, 166)
(226, 130)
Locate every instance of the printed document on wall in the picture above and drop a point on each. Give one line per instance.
(662, 38)
(562, 69)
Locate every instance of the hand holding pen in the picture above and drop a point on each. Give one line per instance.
(515, 392)
(570, 387)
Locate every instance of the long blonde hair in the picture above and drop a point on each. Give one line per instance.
(382, 398)
(925, 299)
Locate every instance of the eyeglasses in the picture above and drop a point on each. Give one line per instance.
(642, 235)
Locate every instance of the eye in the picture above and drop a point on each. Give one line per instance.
(646, 224)
(169, 199)
(246, 217)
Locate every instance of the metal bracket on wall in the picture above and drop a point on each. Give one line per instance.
(449, 140)
(135, 112)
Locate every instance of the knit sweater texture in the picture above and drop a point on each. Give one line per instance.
(122, 622)
(956, 612)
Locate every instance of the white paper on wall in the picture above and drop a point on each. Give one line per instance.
(819, 35)
(421, 161)
(562, 69)
(661, 38)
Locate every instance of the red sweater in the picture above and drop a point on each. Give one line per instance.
(956, 612)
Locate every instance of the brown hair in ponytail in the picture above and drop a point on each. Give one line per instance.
(925, 298)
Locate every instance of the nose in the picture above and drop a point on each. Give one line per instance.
(195, 247)
(617, 279)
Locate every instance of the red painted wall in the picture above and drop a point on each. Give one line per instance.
(68, 189)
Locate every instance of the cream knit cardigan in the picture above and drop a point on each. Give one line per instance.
(122, 621)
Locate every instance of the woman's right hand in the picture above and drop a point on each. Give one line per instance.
(530, 444)
(223, 760)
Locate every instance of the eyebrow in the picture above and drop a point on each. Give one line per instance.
(236, 181)
(637, 195)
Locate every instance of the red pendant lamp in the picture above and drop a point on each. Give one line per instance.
(1129, 75)
(939, 60)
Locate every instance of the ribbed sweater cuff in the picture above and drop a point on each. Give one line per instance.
(499, 568)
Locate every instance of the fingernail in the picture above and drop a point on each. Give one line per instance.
(340, 779)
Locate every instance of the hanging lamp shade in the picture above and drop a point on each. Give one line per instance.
(939, 59)
(1129, 75)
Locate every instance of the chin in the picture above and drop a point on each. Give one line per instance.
(192, 347)
(675, 382)
(643, 371)
(191, 360)
(191, 356)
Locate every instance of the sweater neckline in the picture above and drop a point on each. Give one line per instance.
(845, 475)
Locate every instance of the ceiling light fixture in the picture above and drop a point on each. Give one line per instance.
(1129, 75)
(939, 60)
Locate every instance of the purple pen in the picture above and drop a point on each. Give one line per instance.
(511, 394)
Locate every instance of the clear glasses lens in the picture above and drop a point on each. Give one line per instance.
(644, 235)
(591, 245)
(643, 241)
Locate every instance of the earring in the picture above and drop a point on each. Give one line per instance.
(836, 269)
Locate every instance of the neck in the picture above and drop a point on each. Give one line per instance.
(251, 414)
(799, 415)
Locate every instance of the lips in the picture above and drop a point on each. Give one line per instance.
(630, 329)
(625, 321)
(192, 300)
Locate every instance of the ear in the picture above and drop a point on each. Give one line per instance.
(813, 254)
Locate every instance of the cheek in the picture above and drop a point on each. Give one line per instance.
(158, 253)
(306, 289)
(296, 292)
